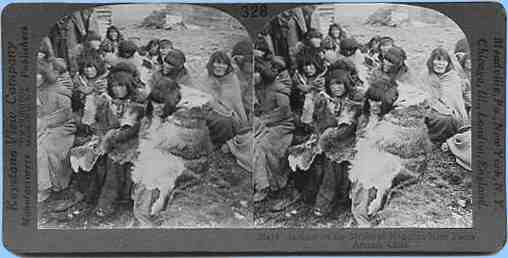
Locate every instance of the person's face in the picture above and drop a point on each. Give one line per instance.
(315, 42)
(375, 107)
(39, 80)
(385, 46)
(337, 89)
(113, 34)
(440, 64)
(90, 72)
(219, 68)
(154, 49)
(120, 91)
(309, 70)
(388, 66)
(165, 50)
(335, 32)
(95, 44)
(168, 68)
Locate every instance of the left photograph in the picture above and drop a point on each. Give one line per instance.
(142, 119)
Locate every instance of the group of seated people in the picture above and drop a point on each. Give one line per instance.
(326, 92)
(112, 93)
(93, 121)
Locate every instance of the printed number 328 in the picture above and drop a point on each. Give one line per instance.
(254, 11)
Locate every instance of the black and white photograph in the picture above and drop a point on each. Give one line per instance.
(334, 116)
(362, 119)
(137, 107)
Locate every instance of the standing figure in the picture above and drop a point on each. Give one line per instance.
(89, 84)
(118, 114)
(55, 134)
(273, 133)
(242, 55)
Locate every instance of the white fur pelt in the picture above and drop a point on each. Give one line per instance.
(156, 167)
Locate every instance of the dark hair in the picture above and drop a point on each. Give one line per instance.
(369, 47)
(91, 58)
(165, 42)
(165, 91)
(339, 76)
(439, 52)
(336, 26)
(127, 48)
(122, 73)
(106, 47)
(151, 43)
(349, 45)
(385, 40)
(463, 60)
(462, 46)
(175, 57)
(308, 57)
(113, 28)
(242, 48)
(262, 45)
(384, 91)
(219, 56)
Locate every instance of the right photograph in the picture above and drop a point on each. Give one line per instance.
(362, 119)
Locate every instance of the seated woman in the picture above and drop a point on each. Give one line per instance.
(55, 134)
(227, 116)
(448, 110)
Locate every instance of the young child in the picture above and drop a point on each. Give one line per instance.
(89, 84)
(120, 118)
